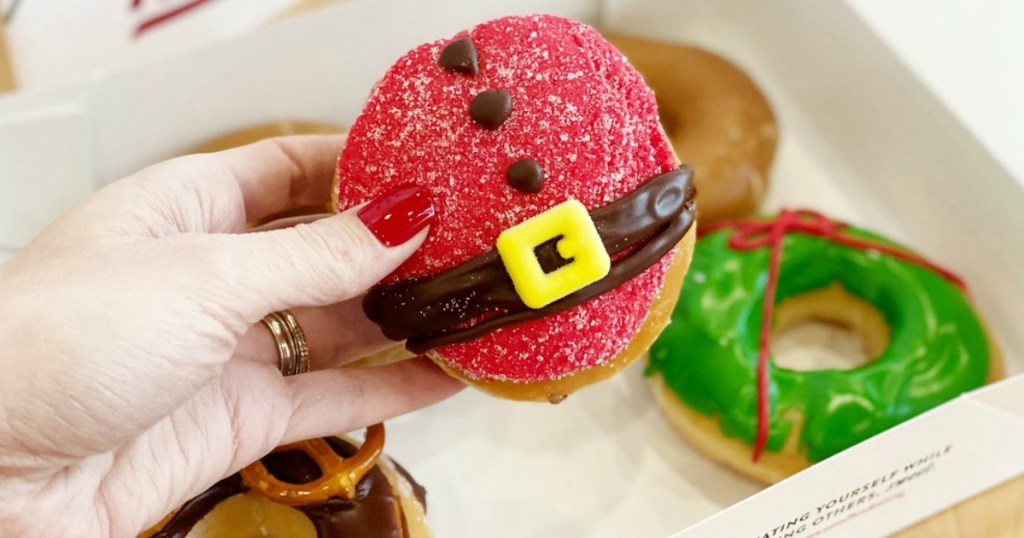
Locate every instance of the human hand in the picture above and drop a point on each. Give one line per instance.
(135, 372)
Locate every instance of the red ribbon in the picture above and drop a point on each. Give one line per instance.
(754, 234)
(157, 20)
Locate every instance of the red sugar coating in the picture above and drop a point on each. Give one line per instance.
(578, 108)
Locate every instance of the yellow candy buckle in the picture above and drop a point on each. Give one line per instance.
(579, 243)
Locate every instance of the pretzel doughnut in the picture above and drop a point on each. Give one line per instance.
(713, 376)
(717, 119)
(564, 223)
(320, 488)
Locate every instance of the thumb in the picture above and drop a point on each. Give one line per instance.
(323, 262)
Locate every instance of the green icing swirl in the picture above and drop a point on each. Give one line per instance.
(708, 354)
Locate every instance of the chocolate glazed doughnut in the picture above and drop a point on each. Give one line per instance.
(716, 118)
(385, 502)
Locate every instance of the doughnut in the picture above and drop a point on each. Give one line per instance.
(717, 119)
(564, 223)
(711, 370)
(321, 488)
(261, 131)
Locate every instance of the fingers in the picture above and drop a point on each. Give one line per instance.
(249, 411)
(279, 174)
(341, 400)
(324, 262)
(336, 335)
(215, 192)
(288, 222)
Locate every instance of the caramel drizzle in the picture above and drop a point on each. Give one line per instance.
(432, 312)
(340, 475)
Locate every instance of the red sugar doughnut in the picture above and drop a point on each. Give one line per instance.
(578, 109)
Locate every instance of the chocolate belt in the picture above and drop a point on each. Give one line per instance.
(451, 307)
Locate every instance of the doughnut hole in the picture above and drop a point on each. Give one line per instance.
(827, 328)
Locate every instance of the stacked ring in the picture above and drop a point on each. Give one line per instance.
(293, 352)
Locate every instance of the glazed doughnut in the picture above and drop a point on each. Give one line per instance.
(262, 131)
(552, 261)
(717, 119)
(712, 373)
(296, 492)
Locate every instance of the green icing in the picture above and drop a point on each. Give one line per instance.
(708, 354)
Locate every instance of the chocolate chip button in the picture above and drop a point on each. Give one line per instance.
(491, 108)
(460, 56)
(526, 175)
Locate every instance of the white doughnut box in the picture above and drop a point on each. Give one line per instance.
(862, 139)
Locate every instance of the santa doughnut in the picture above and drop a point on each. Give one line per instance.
(564, 221)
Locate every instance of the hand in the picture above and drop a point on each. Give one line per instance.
(134, 372)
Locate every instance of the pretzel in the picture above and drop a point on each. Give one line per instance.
(340, 474)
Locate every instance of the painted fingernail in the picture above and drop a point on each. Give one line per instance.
(397, 216)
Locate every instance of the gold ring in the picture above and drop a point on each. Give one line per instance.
(292, 350)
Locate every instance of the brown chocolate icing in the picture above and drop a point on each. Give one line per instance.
(477, 297)
(491, 108)
(526, 175)
(195, 509)
(460, 56)
(418, 490)
(375, 512)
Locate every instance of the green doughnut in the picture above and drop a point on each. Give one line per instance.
(708, 355)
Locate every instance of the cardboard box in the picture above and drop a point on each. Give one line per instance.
(862, 140)
(51, 47)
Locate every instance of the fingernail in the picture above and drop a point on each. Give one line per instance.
(398, 215)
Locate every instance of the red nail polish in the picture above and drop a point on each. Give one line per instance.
(398, 215)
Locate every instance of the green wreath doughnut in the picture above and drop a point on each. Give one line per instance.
(936, 347)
